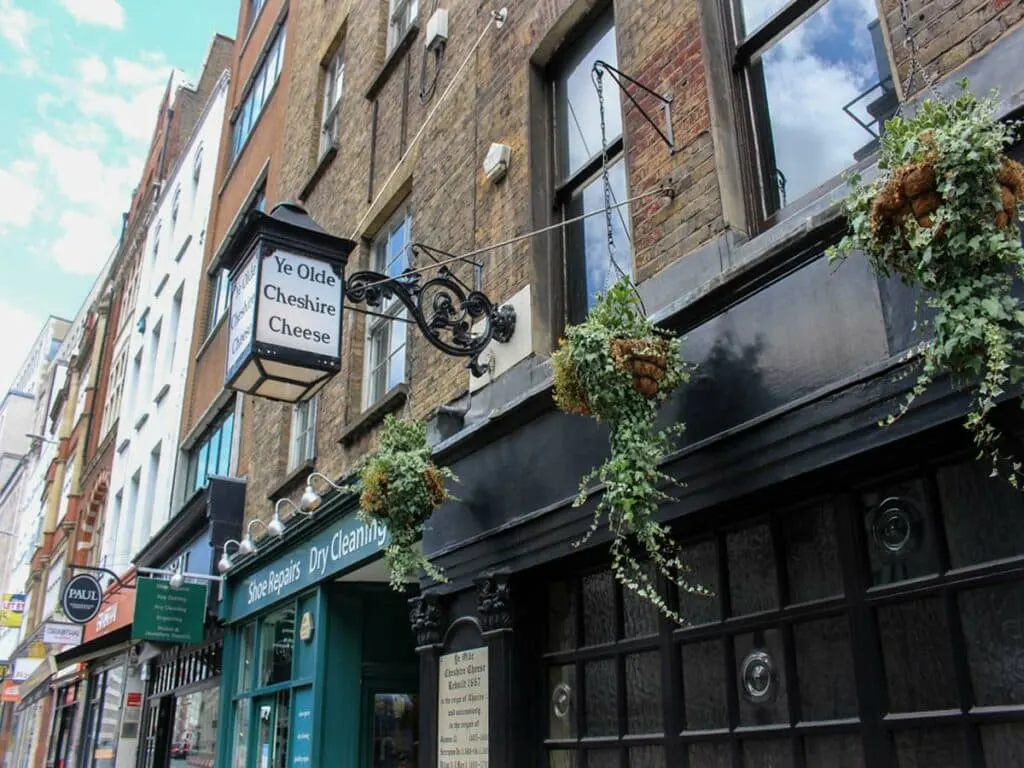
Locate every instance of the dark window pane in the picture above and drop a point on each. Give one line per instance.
(562, 759)
(901, 544)
(639, 616)
(702, 558)
(984, 516)
(777, 753)
(562, 702)
(1003, 744)
(561, 616)
(824, 663)
(598, 608)
(993, 622)
(704, 755)
(577, 110)
(917, 656)
(647, 757)
(834, 752)
(276, 643)
(603, 758)
(643, 693)
(807, 78)
(704, 685)
(602, 697)
(752, 582)
(930, 749)
(761, 678)
(812, 554)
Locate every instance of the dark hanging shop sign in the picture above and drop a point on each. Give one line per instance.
(345, 544)
(165, 614)
(82, 598)
(286, 302)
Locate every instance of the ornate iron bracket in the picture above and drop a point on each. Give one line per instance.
(105, 571)
(666, 101)
(444, 307)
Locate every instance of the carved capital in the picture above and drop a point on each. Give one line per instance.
(494, 602)
(425, 616)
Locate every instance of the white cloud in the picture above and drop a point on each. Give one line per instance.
(133, 115)
(16, 24)
(92, 70)
(138, 73)
(101, 13)
(15, 345)
(84, 244)
(19, 194)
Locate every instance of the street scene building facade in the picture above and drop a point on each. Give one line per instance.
(189, 577)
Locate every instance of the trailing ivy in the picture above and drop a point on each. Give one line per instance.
(942, 215)
(617, 367)
(401, 487)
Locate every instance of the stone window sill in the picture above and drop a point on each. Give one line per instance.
(374, 415)
(321, 168)
(161, 393)
(381, 78)
(291, 480)
(141, 421)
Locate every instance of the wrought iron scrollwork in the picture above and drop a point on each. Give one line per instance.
(443, 307)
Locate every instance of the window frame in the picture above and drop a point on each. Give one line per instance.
(302, 439)
(333, 94)
(569, 186)
(401, 16)
(210, 443)
(260, 88)
(391, 312)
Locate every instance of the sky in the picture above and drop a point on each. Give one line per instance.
(80, 83)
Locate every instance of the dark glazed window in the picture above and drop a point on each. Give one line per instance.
(817, 87)
(580, 187)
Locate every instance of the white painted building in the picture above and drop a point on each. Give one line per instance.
(158, 343)
(38, 380)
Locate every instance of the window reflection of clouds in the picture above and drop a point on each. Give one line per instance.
(600, 272)
(810, 75)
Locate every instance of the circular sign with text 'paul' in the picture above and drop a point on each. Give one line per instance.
(82, 598)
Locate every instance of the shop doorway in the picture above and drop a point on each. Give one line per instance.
(155, 738)
(271, 733)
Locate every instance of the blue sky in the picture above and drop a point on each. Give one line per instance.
(80, 82)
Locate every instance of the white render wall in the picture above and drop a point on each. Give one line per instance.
(146, 446)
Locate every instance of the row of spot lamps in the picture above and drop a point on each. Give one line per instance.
(306, 507)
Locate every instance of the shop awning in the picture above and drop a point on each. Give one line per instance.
(101, 646)
(38, 683)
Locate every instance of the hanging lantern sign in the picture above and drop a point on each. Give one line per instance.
(286, 301)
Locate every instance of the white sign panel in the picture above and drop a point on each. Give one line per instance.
(463, 698)
(240, 314)
(299, 305)
(23, 668)
(62, 634)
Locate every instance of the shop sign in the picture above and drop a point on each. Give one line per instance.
(23, 668)
(347, 543)
(5, 667)
(10, 693)
(12, 609)
(164, 614)
(463, 699)
(302, 747)
(58, 633)
(82, 598)
(117, 613)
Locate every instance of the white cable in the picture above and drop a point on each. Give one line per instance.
(423, 127)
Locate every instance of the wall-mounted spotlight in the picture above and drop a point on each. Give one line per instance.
(224, 564)
(310, 498)
(276, 526)
(177, 580)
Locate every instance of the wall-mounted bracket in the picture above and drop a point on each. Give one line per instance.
(106, 571)
(667, 135)
(444, 307)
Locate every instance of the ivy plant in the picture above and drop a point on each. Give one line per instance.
(401, 487)
(942, 216)
(596, 370)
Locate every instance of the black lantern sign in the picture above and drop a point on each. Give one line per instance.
(286, 302)
(287, 296)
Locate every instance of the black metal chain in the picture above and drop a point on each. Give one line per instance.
(598, 77)
(915, 62)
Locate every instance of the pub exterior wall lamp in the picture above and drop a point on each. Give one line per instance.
(286, 304)
(310, 498)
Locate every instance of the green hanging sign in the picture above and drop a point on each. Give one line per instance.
(164, 614)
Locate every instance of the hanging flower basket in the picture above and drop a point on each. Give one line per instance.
(400, 488)
(942, 215)
(618, 368)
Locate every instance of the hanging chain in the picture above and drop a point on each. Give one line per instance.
(598, 77)
(915, 62)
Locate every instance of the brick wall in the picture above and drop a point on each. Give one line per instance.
(948, 33)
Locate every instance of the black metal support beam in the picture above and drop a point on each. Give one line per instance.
(600, 67)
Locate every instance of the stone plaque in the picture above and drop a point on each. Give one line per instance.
(463, 698)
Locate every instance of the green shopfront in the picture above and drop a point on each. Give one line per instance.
(319, 659)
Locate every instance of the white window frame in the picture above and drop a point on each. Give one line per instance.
(401, 14)
(334, 89)
(392, 311)
(303, 433)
